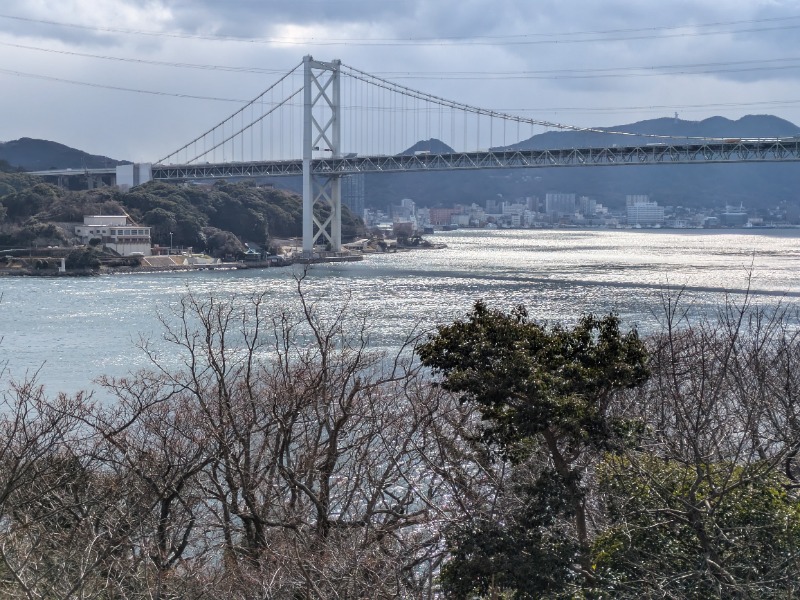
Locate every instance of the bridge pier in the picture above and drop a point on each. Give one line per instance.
(322, 195)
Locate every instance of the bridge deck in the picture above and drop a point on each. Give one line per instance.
(778, 150)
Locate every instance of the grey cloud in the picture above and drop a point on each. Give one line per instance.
(547, 29)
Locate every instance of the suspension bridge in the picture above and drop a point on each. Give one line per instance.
(325, 120)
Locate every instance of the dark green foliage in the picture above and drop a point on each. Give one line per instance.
(29, 201)
(248, 212)
(70, 207)
(222, 244)
(528, 552)
(33, 232)
(545, 394)
(527, 377)
(676, 535)
(14, 182)
(82, 258)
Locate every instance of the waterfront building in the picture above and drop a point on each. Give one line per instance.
(494, 206)
(442, 216)
(514, 208)
(559, 205)
(373, 216)
(460, 220)
(423, 217)
(117, 233)
(476, 216)
(642, 211)
(636, 199)
(734, 216)
(587, 206)
(405, 211)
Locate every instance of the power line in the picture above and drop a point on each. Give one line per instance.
(587, 110)
(160, 63)
(549, 74)
(554, 75)
(117, 88)
(519, 39)
(587, 70)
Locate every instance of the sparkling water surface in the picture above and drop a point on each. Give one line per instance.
(71, 330)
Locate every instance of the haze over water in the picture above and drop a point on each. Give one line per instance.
(73, 330)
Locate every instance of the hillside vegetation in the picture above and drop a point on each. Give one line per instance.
(216, 219)
(39, 155)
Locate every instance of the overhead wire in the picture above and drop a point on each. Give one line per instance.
(562, 37)
(160, 63)
(117, 88)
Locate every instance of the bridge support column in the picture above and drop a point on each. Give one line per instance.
(322, 196)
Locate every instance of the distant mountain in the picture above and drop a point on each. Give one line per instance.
(433, 146)
(40, 155)
(677, 130)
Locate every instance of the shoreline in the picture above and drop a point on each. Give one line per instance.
(319, 258)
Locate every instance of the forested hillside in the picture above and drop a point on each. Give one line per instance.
(216, 218)
(39, 155)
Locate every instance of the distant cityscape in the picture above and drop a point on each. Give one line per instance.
(559, 209)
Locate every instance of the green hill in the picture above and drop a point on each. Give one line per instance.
(39, 155)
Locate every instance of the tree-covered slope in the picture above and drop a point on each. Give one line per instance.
(40, 155)
(192, 214)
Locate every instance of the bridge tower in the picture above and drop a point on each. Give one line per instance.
(321, 133)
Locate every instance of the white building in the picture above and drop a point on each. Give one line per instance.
(641, 211)
(514, 208)
(587, 206)
(116, 233)
(476, 214)
(405, 211)
(559, 204)
(423, 217)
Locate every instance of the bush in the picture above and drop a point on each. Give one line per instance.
(82, 258)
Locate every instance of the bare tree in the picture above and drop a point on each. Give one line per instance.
(703, 505)
(56, 535)
(271, 452)
(289, 455)
(152, 441)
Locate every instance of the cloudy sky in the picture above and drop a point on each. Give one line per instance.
(135, 79)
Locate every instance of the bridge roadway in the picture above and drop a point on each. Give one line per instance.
(727, 151)
(776, 150)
